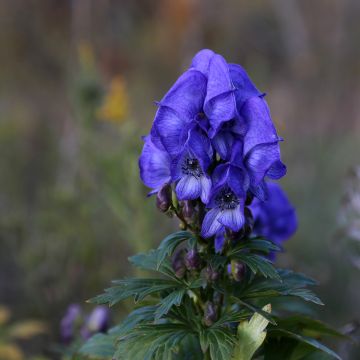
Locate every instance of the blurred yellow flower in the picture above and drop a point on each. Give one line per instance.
(10, 352)
(116, 102)
(4, 314)
(86, 56)
(27, 329)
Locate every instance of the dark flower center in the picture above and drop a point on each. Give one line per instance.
(226, 199)
(192, 167)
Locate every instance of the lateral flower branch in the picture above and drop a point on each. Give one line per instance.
(212, 159)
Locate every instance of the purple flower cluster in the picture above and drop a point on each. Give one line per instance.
(213, 139)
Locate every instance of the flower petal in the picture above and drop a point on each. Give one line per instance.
(233, 218)
(222, 143)
(260, 126)
(245, 89)
(188, 188)
(211, 225)
(220, 104)
(187, 95)
(154, 165)
(264, 159)
(202, 59)
(171, 129)
(205, 189)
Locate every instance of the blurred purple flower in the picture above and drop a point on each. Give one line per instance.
(275, 218)
(97, 321)
(72, 317)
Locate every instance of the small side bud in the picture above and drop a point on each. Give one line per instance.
(178, 264)
(163, 198)
(237, 270)
(211, 275)
(192, 260)
(210, 313)
(249, 222)
(187, 210)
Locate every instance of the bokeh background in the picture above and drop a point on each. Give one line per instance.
(78, 81)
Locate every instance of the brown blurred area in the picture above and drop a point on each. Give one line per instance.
(77, 84)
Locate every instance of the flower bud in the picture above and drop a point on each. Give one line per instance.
(211, 275)
(163, 198)
(237, 270)
(210, 313)
(178, 264)
(249, 222)
(192, 260)
(187, 210)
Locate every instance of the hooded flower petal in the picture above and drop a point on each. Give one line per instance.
(261, 129)
(187, 95)
(188, 188)
(201, 60)
(264, 160)
(154, 165)
(220, 104)
(245, 89)
(211, 225)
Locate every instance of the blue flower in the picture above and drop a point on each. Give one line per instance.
(227, 199)
(275, 218)
(154, 164)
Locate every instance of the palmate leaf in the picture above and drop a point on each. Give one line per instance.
(255, 244)
(136, 288)
(142, 314)
(174, 298)
(219, 341)
(150, 261)
(251, 335)
(153, 341)
(293, 284)
(99, 347)
(257, 264)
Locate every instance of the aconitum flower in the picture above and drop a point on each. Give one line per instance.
(69, 322)
(275, 218)
(213, 141)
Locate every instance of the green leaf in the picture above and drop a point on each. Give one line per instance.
(257, 264)
(174, 298)
(142, 314)
(255, 309)
(219, 341)
(136, 288)
(251, 335)
(152, 341)
(170, 243)
(277, 332)
(292, 285)
(255, 244)
(99, 346)
(150, 260)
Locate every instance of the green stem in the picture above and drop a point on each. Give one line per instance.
(207, 355)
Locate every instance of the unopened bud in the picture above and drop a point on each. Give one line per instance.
(178, 264)
(249, 222)
(163, 198)
(211, 275)
(187, 210)
(210, 313)
(237, 270)
(192, 260)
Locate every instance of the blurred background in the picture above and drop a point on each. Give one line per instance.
(78, 81)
